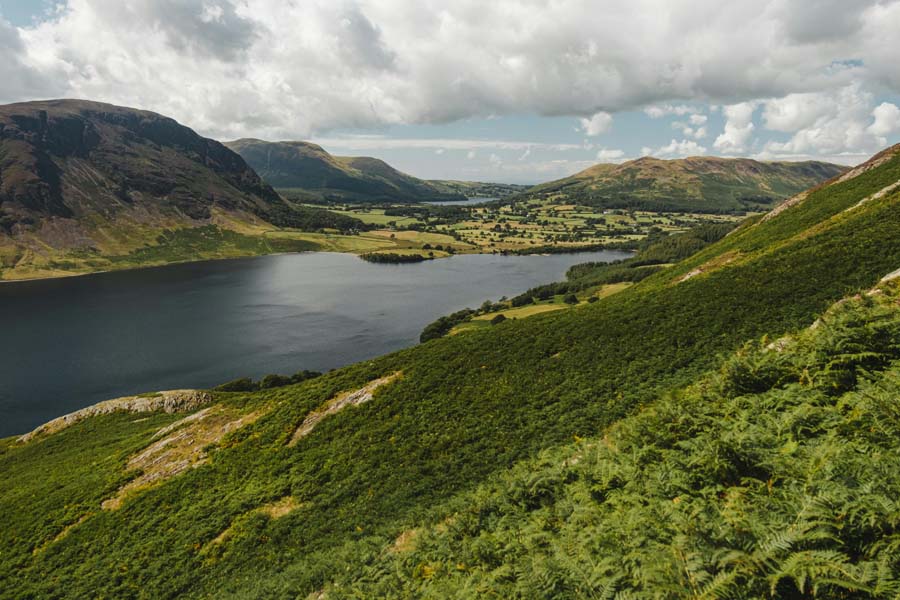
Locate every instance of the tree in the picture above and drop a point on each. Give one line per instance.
(570, 299)
(498, 319)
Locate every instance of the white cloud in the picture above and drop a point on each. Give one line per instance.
(471, 155)
(664, 110)
(597, 124)
(21, 80)
(610, 155)
(279, 69)
(796, 111)
(833, 123)
(697, 119)
(887, 119)
(687, 130)
(738, 128)
(676, 148)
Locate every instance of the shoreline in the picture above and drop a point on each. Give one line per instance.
(223, 258)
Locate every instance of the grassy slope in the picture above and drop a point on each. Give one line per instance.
(775, 476)
(466, 408)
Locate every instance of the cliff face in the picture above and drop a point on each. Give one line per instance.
(88, 162)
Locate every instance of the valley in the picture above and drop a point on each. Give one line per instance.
(509, 300)
(77, 198)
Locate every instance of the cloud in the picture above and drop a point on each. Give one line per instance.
(610, 155)
(663, 110)
(280, 69)
(887, 119)
(689, 130)
(738, 128)
(597, 124)
(826, 20)
(796, 111)
(20, 79)
(839, 122)
(676, 148)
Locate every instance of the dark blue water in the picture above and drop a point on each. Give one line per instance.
(68, 343)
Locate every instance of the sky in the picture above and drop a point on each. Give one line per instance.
(517, 91)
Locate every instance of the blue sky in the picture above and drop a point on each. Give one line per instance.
(515, 90)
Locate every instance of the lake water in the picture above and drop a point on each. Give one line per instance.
(467, 202)
(68, 343)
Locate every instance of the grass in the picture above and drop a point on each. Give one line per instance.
(554, 304)
(521, 312)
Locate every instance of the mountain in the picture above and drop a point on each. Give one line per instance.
(86, 185)
(708, 184)
(306, 168)
(725, 427)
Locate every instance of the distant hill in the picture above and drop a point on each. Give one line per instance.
(99, 181)
(307, 169)
(478, 189)
(696, 183)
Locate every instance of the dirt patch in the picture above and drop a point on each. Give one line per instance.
(891, 276)
(711, 265)
(183, 448)
(878, 160)
(879, 194)
(405, 542)
(274, 510)
(66, 530)
(792, 201)
(338, 403)
(169, 401)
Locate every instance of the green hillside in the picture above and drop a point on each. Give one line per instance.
(447, 470)
(704, 184)
(306, 171)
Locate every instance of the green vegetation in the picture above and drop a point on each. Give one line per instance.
(272, 380)
(307, 218)
(208, 241)
(457, 477)
(393, 258)
(528, 226)
(776, 476)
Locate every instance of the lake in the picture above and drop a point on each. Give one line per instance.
(467, 202)
(68, 343)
